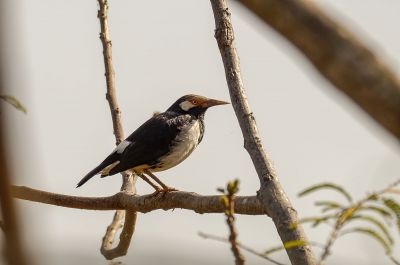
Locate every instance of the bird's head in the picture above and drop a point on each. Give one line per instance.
(194, 104)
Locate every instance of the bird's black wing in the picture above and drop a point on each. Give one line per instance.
(148, 143)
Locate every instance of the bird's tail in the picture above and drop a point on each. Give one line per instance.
(90, 175)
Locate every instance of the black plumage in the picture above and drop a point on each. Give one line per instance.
(151, 147)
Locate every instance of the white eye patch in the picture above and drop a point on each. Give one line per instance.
(186, 105)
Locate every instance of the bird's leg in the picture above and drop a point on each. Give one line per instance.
(165, 187)
(157, 188)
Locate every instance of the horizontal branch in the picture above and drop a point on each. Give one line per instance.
(146, 203)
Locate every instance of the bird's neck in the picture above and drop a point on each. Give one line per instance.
(197, 114)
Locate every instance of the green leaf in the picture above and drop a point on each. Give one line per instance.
(286, 245)
(377, 223)
(372, 233)
(233, 187)
(224, 200)
(294, 244)
(377, 209)
(394, 207)
(272, 250)
(347, 214)
(326, 186)
(222, 190)
(315, 220)
(14, 102)
(328, 205)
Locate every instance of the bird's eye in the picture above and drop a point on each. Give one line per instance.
(194, 102)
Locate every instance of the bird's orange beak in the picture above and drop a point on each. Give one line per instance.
(212, 102)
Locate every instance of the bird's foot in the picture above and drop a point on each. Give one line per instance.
(168, 189)
(163, 191)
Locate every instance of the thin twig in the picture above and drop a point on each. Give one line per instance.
(248, 205)
(230, 220)
(271, 193)
(340, 222)
(395, 261)
(244, 247)
(1, 225)
(338, 55)
(128, 180)
(228, 200)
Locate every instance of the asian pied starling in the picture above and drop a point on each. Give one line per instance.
(160, 143)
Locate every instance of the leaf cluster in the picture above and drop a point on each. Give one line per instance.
(227, 199)
(371, 216)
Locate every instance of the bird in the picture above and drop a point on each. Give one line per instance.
(162, 142)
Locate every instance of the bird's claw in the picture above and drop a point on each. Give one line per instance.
(169, 189)
(163, 191)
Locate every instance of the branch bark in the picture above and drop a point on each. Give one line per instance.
(271, 195)
(128, 179)
(13, 247)
(248, 205)
(337, 55)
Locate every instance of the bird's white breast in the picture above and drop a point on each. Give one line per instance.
(185, 142)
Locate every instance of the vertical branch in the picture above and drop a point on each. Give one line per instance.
(13, 251)
(110, 75)
(271, 193)
(13, 248)
(128, 179)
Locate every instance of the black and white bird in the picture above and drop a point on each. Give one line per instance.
(162, 142)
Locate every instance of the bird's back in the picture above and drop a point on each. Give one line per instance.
(160, 143)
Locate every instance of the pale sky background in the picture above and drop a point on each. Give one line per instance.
(163, 50)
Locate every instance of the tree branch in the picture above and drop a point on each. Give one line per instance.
(337, 55)
(124, 238)
(128, 180)
(13, 249)
(271, 195)
(248, 205)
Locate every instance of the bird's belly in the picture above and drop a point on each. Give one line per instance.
(186, 141)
